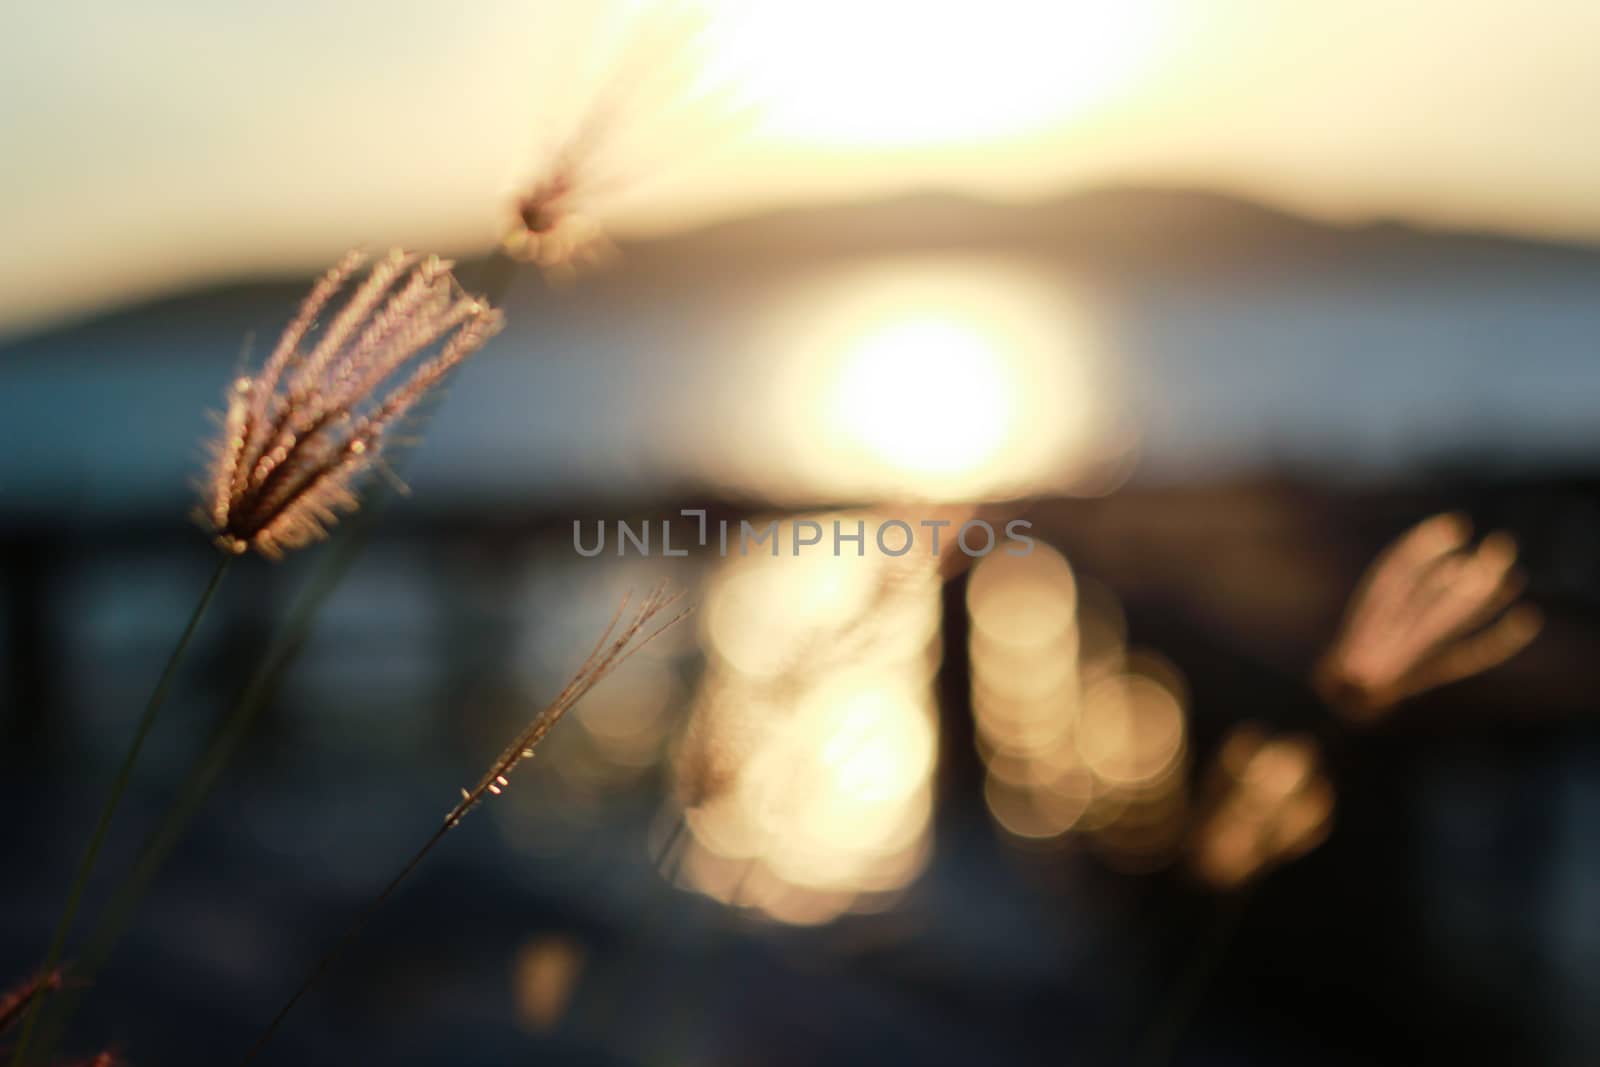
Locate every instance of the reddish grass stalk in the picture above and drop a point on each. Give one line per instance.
(99, 1059)
(21, 999)
(119, 786)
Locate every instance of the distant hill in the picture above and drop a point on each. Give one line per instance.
(1114, 232)
(1235, 337)
(1121, 228)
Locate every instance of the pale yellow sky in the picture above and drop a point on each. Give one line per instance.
(154, 145)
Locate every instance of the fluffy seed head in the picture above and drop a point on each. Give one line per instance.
(298, 434)
(549, 225)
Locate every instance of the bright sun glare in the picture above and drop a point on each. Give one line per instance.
(951, 378)
(898, 74)
(929, 395)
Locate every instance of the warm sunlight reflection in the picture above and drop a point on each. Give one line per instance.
(1076, 733)
(957, 377)
(807, 771)
(932, 396)
(899, 74)
(544, 976)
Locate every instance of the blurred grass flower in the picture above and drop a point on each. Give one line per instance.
(299, 434)
(550, 226)
(1431, 609)
(1266, 801)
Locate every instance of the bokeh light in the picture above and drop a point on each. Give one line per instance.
(952, 396)
(807, 769)
(544, 977)
(1072, 740)
(951, 378)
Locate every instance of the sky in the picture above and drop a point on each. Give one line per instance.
(149, 147)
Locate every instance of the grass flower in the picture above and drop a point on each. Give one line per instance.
(552, 224)
(298, 435)
(655, 104)
(1431, 609)
(1267, 800)
(617, 643)
(615, 646)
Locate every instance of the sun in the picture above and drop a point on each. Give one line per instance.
(948, 378)
(898, 74)
(958, 377)
(930, 396)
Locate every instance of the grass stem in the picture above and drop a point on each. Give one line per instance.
(80, 879)
(496, 276)
(231, 734)
(350, 934)
(614, 648)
